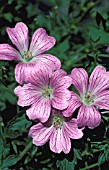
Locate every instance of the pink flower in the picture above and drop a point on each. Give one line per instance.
(92, 95)
(107, 50)
(42, 91)
(58, 130)
(29, 56)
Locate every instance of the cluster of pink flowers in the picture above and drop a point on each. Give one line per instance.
(44, 87)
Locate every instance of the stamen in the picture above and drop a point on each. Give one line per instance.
(88, 99)
(58, 122)
(27, 54)
(47, 92)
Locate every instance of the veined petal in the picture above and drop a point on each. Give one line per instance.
(19, 36)
(79, 79)
(73, 104)
(56, 141)
(58, 76)
(64, 82)
(40, 134)
(88, 116)
(41, 42)
(66, 142)
(40, 110)
(60, 98)
(102, 100)
(48, 61)
(71, 129)
(39, 77)
(33, 130)
(22, 72)
(8, 53)
(28, 94)
(99, 80)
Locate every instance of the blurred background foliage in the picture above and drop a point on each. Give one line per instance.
(81, 29)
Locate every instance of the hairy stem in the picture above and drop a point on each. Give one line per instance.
(24, 151)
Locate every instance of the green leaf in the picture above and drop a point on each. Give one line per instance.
(17, 127)
(65, 164)
(9, 161)
(99, 36)
(10, 2)
(64, 46)
(8, 16)
(7, 94)
(77, 154)
(20, 124)
(64, 7)
(42, 20)
(101, 158)
(14, 147)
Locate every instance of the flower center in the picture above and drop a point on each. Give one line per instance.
(88, 99)
(27, 56)
(58, 121)
(47, 92)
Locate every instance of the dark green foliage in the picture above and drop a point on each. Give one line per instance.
(81, 29)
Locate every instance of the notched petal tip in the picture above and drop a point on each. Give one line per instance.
(19, 36)
(41, 42)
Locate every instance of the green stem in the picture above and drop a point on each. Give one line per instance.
(103, 55)
(90, 166)
(24, 151)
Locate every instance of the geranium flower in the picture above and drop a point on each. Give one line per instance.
(43, 91)
(58, 130)
(92, 95)
(29, 56)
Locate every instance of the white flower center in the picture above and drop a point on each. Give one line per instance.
(58, 121)
(88, 99)
(47, 92)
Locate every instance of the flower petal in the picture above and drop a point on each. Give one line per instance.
(8, 53)
(73, 104)
(59, 141)
(48, 61)
(40, 110)
(60, 98)
(107, 50)
(88, 116)
(66, 143)
(71, 129)
(39, 77)
(79, 79)
(99, 80)
(19, 36)
(28, 94)
(41, 42)
(40, 134)
(56, 141)
(58, 76)
(22, 72)
(102, 99)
